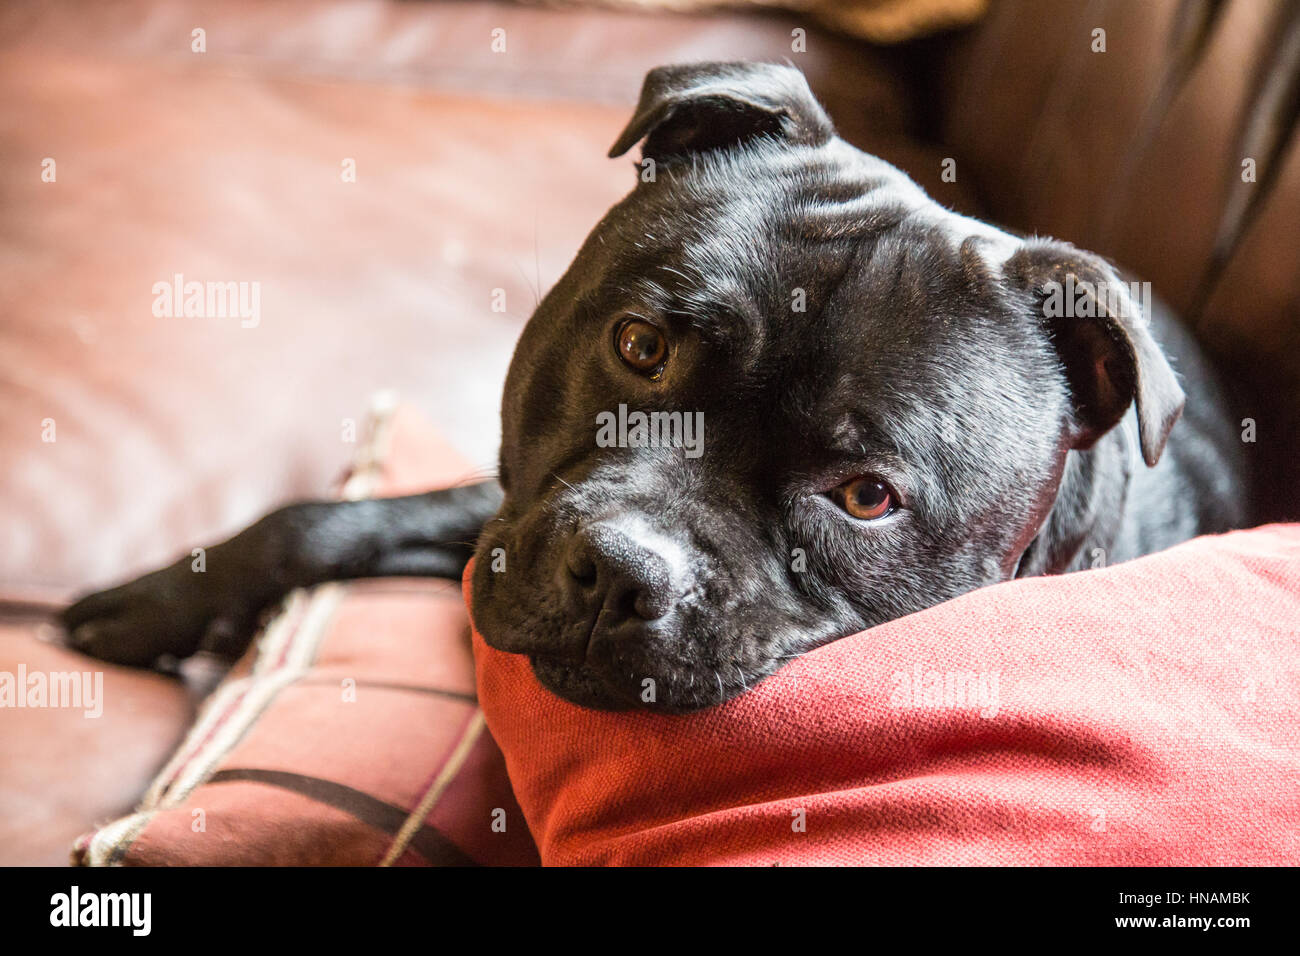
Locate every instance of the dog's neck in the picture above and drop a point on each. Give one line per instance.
(1083, 527)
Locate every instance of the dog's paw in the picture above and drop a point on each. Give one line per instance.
(164, 613)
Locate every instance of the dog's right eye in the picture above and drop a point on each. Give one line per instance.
(865, 498)
(641, 346)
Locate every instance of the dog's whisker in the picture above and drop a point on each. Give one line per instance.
(537, 261)
(535, 290)
(474, 477)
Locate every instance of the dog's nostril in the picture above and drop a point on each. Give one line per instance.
(624, 605)
(581, 566)
(647, 607)
(642, 591)
(628, 599)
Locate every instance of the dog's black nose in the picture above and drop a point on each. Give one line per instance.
(616, 572)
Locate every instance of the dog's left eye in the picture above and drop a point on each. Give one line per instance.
(865, 498)
(641, 346)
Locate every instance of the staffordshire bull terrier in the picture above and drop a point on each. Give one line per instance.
(779, 397)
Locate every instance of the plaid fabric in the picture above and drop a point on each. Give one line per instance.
(349, 734)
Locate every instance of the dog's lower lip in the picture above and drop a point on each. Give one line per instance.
(581, 671)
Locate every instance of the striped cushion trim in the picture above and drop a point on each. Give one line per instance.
(394, 685)
(227, 719)
(450, 768)
(426, 841)
(286, 649)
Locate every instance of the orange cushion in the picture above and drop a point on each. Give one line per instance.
(1139, 714)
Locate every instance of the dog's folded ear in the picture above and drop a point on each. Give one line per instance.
(1103, 338)
(703, 106)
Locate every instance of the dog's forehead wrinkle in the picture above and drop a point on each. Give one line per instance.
(830, 191)
(814, 192)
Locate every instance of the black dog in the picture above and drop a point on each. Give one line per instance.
(901, 404)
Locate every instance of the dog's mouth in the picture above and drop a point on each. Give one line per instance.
(586, 668)
(682, 689)
(575, 679)
(584, 685)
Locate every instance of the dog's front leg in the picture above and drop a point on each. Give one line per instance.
(213, 598)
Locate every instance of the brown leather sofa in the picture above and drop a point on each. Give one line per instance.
(478, 171)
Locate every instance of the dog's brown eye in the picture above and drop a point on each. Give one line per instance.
(864, 498)
(641, 345)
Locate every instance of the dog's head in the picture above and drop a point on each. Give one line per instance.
(780, 396)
